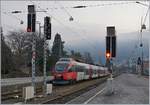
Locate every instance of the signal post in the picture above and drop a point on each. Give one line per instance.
(110, 55)
(47, 36)
(31, 27)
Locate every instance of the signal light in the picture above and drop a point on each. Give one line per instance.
(108, 55)
(111, 45)
(28, 29)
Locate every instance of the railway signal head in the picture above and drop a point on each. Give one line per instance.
(47, 28)
(28, 29)
(111, 41)
(31, 18)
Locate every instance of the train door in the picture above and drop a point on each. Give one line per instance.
(86, 76)
(98, 72)
(90, 72)
(80, 72)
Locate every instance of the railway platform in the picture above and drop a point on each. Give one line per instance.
(128, 89)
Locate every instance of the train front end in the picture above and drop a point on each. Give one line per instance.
(60, 70)
(61, 73)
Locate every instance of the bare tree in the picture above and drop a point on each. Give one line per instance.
(6, 56)
(21, 45)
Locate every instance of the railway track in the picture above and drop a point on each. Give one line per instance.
(59, 93)
(15, 94)
(74, 92)
(71, 94)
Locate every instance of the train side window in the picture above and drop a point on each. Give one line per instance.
(84, 69)
(72, 68)
(80, 68)
(93, 71)
(76, 68)
(87, 71)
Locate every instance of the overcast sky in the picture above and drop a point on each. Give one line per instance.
(126, 17)
(89, 23)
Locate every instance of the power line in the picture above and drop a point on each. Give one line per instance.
(58, 20)
(146, 15)
(93, 46)
(63, 8)
(87, 6)
(105, 4)
(75, 7)
(55, 18)
(97, 5)
(11, 15)
(77, 23)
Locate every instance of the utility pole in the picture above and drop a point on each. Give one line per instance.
(141, 45)
(1, 31)
(39, 28)
(45, 59)
(148, 8)
(33, 60)
(141, 30)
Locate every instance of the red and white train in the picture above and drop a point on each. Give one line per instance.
(67, 70)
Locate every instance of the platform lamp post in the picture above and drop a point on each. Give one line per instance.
(143, 26)
(148, 8)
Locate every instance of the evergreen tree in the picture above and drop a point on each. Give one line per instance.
(58, 46)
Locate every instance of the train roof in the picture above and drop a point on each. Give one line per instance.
(67, 60)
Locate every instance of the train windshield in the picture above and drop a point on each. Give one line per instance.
(61, 66)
